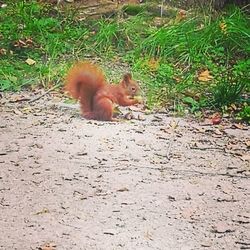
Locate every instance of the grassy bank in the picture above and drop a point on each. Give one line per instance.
(189, 62)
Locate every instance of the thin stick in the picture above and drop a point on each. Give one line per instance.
(162, 4)
(45, 93)
(208, 148)
(168, 153)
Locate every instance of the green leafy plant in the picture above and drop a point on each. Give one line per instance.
(195, 106)
(28, 30)
(228, 91)
(106, 36)
(244, 115)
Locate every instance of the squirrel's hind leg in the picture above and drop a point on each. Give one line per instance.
(88, 115)
(103, 109)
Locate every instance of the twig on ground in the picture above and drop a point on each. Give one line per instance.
(45, 93)
(208, 148)
(170, 147)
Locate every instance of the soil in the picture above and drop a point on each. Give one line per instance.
(156, 182)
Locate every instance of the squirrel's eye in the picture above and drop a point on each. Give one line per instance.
(133, 88)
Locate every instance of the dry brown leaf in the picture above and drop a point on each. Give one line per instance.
(238, 126)
(201, 130)
(233, 107)
(148, 235)
(205, 76)
(44, 211)
(140, 118)
(124, 189)
(245, 157)
(165, 130)
(20, 43)
(48, 246)
(24, 43)
(19, 98)
(222, 227)
(17, 112)
(182, 14)
(187, 213)
(218, 132)
(3, 51)
(129, 116)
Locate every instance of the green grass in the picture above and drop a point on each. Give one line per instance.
(52, 43)
(167, 58)
(244, 114)
(228, 91)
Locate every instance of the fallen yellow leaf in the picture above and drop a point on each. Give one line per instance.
(116, 110)
(223, 27)
(205, 76)
(30, 61)
(173, 124)
(153, 64)
(27, 110)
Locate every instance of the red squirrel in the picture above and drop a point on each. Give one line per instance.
(86, 82)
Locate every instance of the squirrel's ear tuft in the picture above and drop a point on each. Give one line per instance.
(127, 77)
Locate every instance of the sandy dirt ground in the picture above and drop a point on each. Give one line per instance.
(156, 182)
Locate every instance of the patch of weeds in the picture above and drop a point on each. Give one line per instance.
(244, 114)
(241, 70)
(106, 35)
(132, 31)
(159, 80)
(179, 109)
(169, 41)
(28, 30)
(132, 9)
(195, 40)
(195, 105)
(228, 91)
(190, 46)
(13, 77)
(117, 36)
(167, 56)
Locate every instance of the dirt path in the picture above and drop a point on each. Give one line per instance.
(148, 184)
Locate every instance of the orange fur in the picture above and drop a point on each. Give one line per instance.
(86, 82)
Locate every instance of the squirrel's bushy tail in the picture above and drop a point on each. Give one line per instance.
(82, 82)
